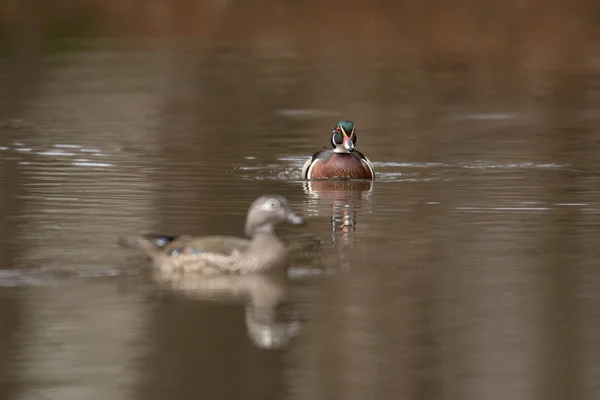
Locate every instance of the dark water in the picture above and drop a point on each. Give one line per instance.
(467, 270)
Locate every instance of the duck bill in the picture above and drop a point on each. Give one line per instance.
(293, 218)
(348, 145)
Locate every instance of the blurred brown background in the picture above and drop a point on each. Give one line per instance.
(467, 270)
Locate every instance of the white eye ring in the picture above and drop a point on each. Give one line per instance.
(272, 204)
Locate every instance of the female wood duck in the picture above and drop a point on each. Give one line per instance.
(263, 252)
(343, 161)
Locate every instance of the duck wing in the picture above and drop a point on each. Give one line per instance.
(152, 244)
(148, 243)
(223, 245)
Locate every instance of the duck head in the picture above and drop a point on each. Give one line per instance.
(268, 211)
(344, 137)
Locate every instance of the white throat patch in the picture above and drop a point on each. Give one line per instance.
(340, 149)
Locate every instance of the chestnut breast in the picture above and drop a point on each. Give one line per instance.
(346, 166)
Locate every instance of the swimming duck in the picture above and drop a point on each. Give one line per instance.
(343, 161)
(262, 252)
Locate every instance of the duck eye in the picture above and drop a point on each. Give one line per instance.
(338, 129)
(274, 205)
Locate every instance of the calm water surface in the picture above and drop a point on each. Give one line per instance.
(467, 270)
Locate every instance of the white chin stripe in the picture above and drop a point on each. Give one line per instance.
(340, 149)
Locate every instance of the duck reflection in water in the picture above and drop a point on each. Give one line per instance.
(270, 321)
(344, 198)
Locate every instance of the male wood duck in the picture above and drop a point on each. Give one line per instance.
(263, 252)
(343, 161)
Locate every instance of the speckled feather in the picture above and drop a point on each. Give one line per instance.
(211, 254)
(328, 164)
(237, 260)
